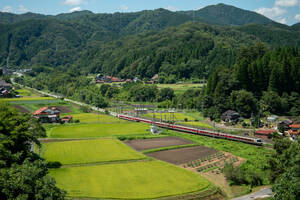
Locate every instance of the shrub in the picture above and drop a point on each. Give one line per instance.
(54, 164)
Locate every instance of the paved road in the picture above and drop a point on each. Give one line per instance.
(260, 194)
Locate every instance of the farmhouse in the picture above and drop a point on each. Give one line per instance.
(5, 89)
(285, 124)
(230, 116)
(47, 115)
(294, 130)
(264, 133)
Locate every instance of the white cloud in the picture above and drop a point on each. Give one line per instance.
(73, 2)
(287, 3)
(171, 8)
(297, 17)
(22, 9)
(7, 9)
(75, 9)
(271, 12)
(124, 7)
(282, 21)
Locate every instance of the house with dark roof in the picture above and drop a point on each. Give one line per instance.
(285, 124)
(5, 89)
(230, 116)
(47, 115)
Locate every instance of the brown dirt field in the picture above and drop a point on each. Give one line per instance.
(182, 155)
(64, 109)
(21, 109)
(153, 143)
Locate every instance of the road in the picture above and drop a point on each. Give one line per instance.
(267, 192)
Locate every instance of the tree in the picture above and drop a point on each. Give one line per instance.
(165, 94)
(270, 102)
(18, 133)
(22, 173)
(28, 181)
(243, 102)
(285, 167)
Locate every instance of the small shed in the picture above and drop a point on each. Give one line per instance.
(272, 118)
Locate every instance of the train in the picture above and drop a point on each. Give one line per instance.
(196, 131)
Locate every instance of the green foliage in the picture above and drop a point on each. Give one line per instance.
(18, 133)
(22, 174)
(285, 165)
(28, 181)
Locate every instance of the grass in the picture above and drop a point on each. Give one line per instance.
(27, 99)
(198, 124)
(145, 180)
(95, 118)
(88, 151)
(169, 116)
(97, 130)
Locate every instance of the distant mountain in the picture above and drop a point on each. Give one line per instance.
(222, 14)
(60, 40)
(296, 27)
(10, 18)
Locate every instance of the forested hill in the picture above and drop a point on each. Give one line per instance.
(68, 39)
(192, 49)
(222, 14)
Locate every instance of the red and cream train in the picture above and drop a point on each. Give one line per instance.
(196, 131)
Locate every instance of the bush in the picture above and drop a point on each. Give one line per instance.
(77, 121)
(185, 119)
(54, 164)
(85, 109)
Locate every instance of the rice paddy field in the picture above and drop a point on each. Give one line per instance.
(181, 88)
(88, 151)
(96, 118)
(98, 130)
(169, 116)
(137, 180)
(198, 124)
(26, 93)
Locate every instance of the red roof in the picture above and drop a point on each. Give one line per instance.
(264, 132)
(294, 132)
(295, 126)
(40, 111)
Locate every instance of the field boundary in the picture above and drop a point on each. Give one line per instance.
(147, 159)
(169, 148)
(206, 192)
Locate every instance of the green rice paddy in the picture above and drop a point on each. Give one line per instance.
(198, 124)
(145, 180)
(88, 151)
(95, 118)
(98, 130)
(169, 116)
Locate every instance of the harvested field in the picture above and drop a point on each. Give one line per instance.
(183, 155)
(153, 143)
(64, 109)
(21, 109)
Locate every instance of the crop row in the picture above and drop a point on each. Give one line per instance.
(210, 158)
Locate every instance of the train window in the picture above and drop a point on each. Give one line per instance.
(259, 141)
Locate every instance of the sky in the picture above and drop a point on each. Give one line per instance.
(283, 11)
